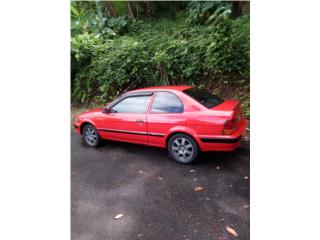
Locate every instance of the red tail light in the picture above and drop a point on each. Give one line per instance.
(229, 127)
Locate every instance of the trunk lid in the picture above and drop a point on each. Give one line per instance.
(232, 108)
(228, 105)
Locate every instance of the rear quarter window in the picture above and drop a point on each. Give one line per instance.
(166, 102)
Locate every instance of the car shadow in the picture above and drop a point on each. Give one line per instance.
(208, 159)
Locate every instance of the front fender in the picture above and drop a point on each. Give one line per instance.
(86, 121)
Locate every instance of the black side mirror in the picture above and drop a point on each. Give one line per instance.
(106, 110)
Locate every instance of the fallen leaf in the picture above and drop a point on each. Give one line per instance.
(246, 177)
(120, 215)
(192, 170)
(218, 168)
(232, 231)
(198, 189)
(140, 171)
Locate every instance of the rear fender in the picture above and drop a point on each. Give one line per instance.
(185, 130)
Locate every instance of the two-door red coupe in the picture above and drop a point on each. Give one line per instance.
(182, 119)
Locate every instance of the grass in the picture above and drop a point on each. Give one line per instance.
(75, 110)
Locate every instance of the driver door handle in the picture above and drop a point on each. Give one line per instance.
(139, 121)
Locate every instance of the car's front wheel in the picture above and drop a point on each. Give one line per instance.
(90, 135)
(183, 148)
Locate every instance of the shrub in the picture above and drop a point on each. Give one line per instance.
(205, 12)
(120, 24)
(83, 48)
(149, 52)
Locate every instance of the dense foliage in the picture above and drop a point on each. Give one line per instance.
(202, 44)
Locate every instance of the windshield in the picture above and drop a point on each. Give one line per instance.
(204, 97)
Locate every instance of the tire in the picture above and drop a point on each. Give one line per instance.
(90, 135)
(183, 148)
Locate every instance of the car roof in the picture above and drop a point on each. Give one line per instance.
(177, 88)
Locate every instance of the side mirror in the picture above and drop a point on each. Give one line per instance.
(106, 110)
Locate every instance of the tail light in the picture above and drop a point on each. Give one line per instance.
(229, 127)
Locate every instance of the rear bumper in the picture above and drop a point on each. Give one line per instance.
(223, 142)
(224, 147)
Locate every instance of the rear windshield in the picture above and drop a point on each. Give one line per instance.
(204, 97)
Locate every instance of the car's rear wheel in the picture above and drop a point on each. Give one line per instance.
(90, 135)
(183, 148)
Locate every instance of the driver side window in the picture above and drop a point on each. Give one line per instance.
(136, 104)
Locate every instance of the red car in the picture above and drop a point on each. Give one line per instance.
(182, 119)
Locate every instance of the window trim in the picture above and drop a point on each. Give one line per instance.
(155, 95)
(130, 95)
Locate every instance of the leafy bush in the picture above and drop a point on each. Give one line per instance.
(120, 24)
(205, 12)
(156, 52)
(240, 42)
(83, 49)
(86, 19)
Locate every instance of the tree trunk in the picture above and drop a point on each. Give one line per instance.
(109, 9)
(130, 10)
(236, 10)
(178, 7)
(245, 8)
(144, 7)
(149, 9)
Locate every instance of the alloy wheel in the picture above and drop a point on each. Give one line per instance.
(90, 136)
(182, 149)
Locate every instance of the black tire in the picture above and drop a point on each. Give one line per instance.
(183, 148)
(90, 135)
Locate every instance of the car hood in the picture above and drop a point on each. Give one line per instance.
(90, 113)
(93, 110)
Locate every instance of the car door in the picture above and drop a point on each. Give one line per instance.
(166, 112)
(126, 119)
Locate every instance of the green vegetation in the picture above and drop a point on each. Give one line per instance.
(197, 43)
